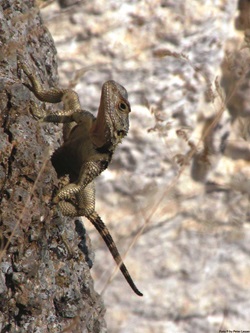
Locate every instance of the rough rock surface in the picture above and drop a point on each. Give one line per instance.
(43, 287)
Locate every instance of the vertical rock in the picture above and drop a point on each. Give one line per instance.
(45, 282)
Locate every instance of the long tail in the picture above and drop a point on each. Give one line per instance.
(103, 230)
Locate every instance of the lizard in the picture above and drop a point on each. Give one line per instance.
(88, 145)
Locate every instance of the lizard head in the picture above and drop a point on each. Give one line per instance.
(112, 121)
(117, 109)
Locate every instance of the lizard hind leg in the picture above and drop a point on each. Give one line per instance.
(83, 204)
(67, 208)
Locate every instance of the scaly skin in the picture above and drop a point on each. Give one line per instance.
(87, 150)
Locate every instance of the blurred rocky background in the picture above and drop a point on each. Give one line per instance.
(177, 191)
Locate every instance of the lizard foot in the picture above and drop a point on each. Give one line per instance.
(36, 111)
(68, 192)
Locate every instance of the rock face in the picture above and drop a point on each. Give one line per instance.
(45, 282)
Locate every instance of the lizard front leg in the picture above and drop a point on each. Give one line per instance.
(53, 95)
(65, 116)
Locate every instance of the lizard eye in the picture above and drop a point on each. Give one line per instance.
(123, 107)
